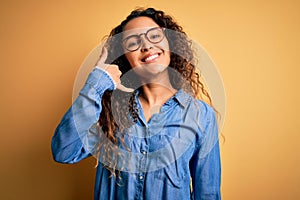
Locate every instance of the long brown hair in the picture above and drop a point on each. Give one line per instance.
(182, 59)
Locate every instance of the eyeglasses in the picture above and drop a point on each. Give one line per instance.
(153, 35)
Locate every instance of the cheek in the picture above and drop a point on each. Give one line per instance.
(165, 45)
(131, 59)
(168, 57)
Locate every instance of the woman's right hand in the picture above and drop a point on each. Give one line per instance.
(112, 70)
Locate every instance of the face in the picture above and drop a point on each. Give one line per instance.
(152, 57)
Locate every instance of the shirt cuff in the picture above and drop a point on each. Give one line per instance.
(108, 75)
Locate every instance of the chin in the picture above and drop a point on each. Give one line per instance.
(150, 70)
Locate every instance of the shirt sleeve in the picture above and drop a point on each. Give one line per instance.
(206, 164)
(70, 143)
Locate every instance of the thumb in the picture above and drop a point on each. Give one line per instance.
(123, 88)
(103, 57)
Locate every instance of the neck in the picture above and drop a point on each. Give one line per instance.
(155, 91)
(153, 96)
(156, 94)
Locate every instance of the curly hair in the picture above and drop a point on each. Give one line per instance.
(181, 61)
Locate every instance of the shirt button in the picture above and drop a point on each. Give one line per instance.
(141, 177)
(144, 152)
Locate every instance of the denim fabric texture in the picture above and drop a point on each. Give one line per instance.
(178, 146)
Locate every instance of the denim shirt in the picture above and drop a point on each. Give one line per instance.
(175, 155)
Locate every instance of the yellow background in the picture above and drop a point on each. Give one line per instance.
(255, 45)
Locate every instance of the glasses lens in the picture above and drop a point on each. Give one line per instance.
(132, 43)
(155, 35)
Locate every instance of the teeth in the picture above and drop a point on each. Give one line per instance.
(152, 57)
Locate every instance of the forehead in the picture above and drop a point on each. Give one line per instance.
(139, 25)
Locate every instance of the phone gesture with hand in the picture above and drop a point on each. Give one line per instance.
(112, 70)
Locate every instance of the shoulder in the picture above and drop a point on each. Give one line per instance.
(201, 114)
(206, 111)
(196, 110)
(206, 114)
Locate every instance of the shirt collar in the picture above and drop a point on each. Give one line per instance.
(180, 96)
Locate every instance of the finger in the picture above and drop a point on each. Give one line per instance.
(123, 88)
(103, 56)
(119, 73)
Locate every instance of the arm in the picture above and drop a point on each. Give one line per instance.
(206, 164)
(67, 142)
(75, 138)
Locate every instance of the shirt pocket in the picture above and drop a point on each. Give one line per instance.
(171, 175)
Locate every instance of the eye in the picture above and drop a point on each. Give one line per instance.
(155, 36)
(132, 42)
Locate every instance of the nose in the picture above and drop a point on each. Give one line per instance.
(145, 44)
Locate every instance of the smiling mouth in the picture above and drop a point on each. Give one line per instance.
(151, 58)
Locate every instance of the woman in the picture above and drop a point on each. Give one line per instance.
(138, 114)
